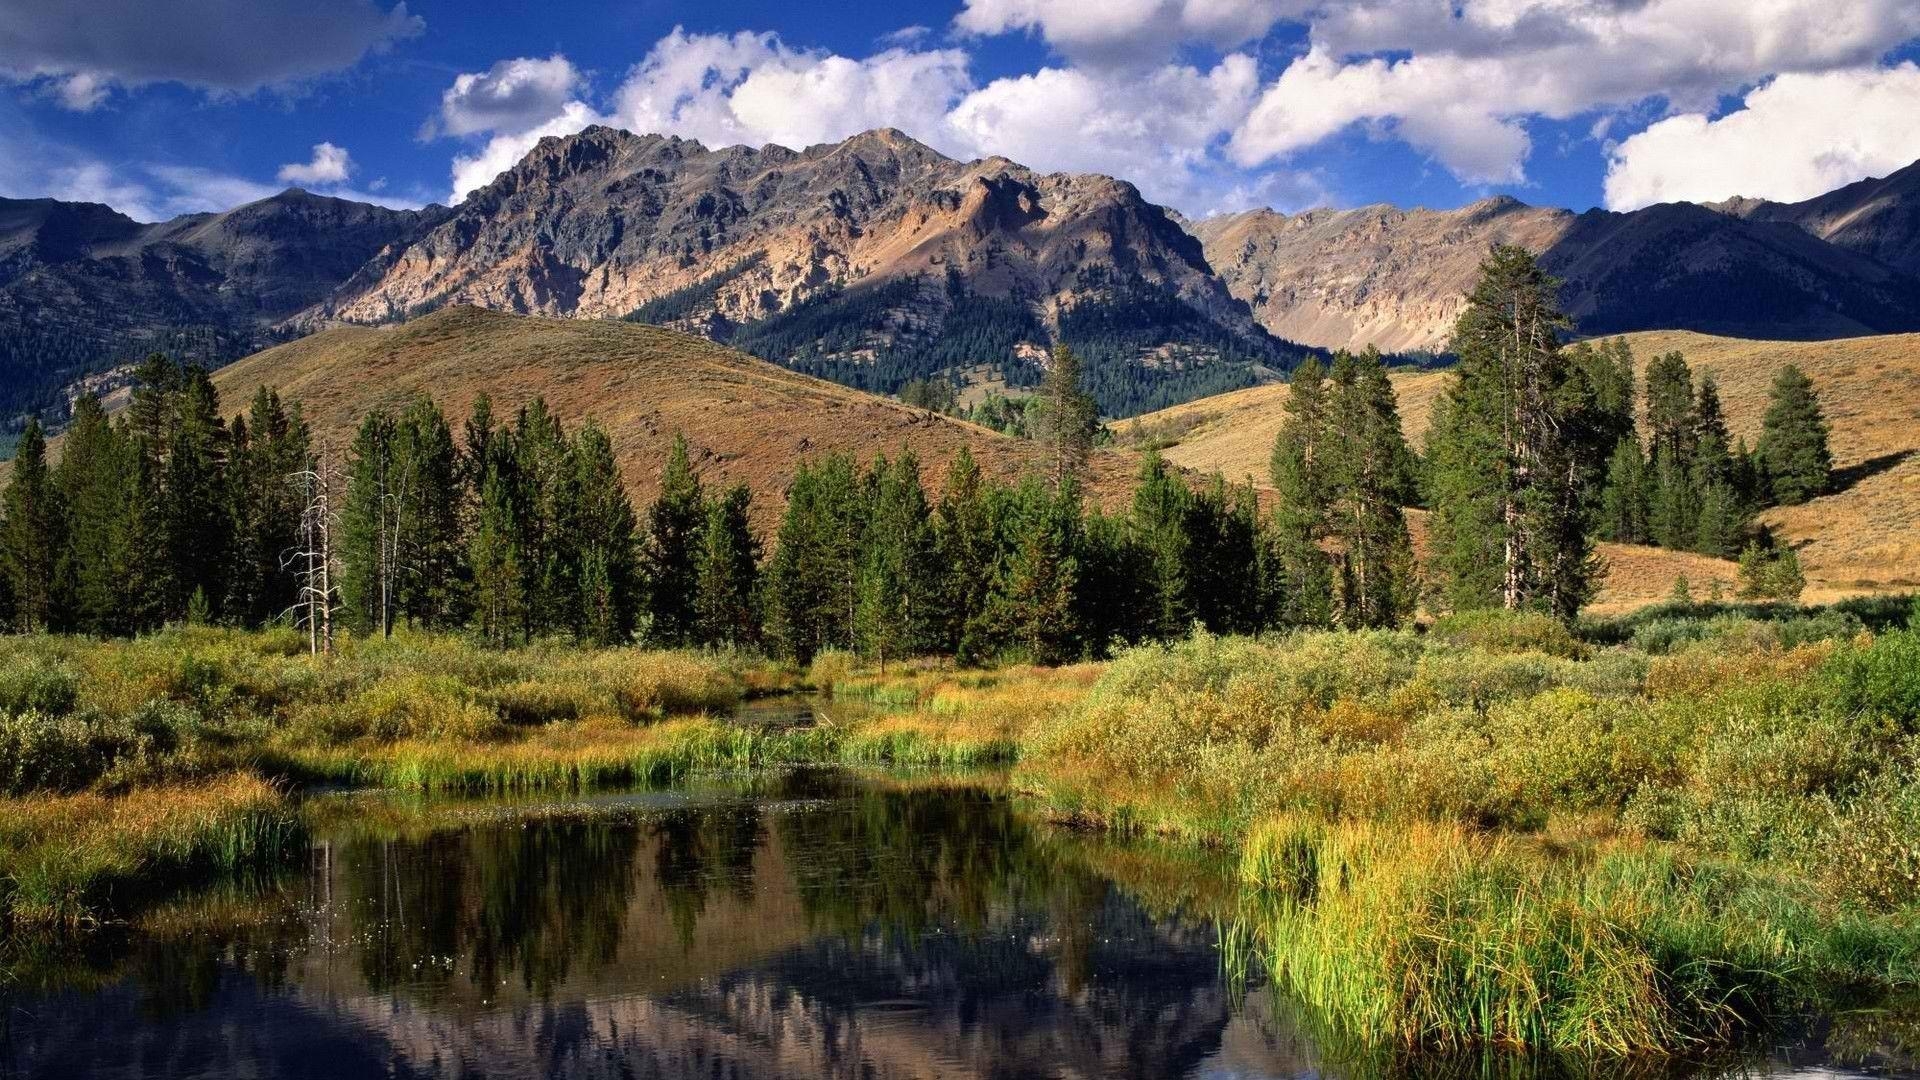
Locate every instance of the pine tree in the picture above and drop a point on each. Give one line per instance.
(1718, 527)
(965, 548)
(93, 484)
(1670, 414)
(673, 542)
(899, 582)
(1793, 449)
(1163, 509)
(727, 608)
(1509, 523)
(548, 562)
(1770, 573)
(813, 576)
(1070, 418)
(493, 552)
(1298, 466)
(1032, 609)
(1368, 478)
(1673, 516)
(603, 530)
(1116, 601)
(370, 532)
(194, 518)
(429, 591)
(1625, 501)
(30, 533)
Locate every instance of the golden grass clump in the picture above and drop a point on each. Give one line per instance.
(65, 858)
(1432, 937)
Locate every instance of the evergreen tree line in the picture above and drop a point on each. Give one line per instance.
(166, 514)
(1689, 486)
(519, 530)
(1535, 452)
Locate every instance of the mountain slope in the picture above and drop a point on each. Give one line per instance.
(1877, 217)
(873, 261)
(1864, 536)
(1398, 278)
(83, 286)
(1377, 275)
(746, 420)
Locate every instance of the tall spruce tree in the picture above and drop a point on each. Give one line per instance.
(93, 484)
(603, 530)
(431, 588)
(1369, 477)
(899, 578)
(194, 518)
(1509, 523)
(370, 555)
(1301, 573)
(1069, 418)
(1162, 515)
(1032, 607)
(1793, 450)
(493, 542)
(673, 542)
(813, 576)
(965, 547)
(30, 534)
(727, 606)
(549, 564)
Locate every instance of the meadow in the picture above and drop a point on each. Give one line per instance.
(1653, 834)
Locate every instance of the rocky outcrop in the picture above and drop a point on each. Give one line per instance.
(1398, 278)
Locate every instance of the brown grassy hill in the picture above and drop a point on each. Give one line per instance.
(1862, 537)
(1234, 432)
(745, 419)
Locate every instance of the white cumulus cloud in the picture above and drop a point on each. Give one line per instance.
(330, 165)
(1129, 32)
(1795, 137)
(511, 96)
(1460, 80)
(753, 88)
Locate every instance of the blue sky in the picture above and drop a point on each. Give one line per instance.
(165, 106)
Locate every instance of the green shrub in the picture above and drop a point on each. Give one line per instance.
(38, 685)
(1879, 679)
(831, 667)
(1508, 632)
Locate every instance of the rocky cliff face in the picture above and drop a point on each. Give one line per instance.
(1377, 275)
(853, 259)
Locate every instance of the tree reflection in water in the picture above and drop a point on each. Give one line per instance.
(809, 924)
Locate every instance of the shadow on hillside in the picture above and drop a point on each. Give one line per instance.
(1847, 478)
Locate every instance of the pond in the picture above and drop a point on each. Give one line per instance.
(794, 924)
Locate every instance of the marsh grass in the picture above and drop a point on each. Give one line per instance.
(932, 715)
(1460, 840)
(70, 860)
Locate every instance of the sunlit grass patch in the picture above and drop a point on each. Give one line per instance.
(66, 860)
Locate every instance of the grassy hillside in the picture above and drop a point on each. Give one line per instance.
(1862, 537)
(745, 419)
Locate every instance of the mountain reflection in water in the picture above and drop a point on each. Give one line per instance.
(813, 925)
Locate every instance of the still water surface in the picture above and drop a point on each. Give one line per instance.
(799, 924)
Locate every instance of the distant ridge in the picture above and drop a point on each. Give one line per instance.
(876, 260)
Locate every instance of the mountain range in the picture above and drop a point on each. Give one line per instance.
(877, 260)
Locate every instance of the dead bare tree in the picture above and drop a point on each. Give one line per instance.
(314, 559)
